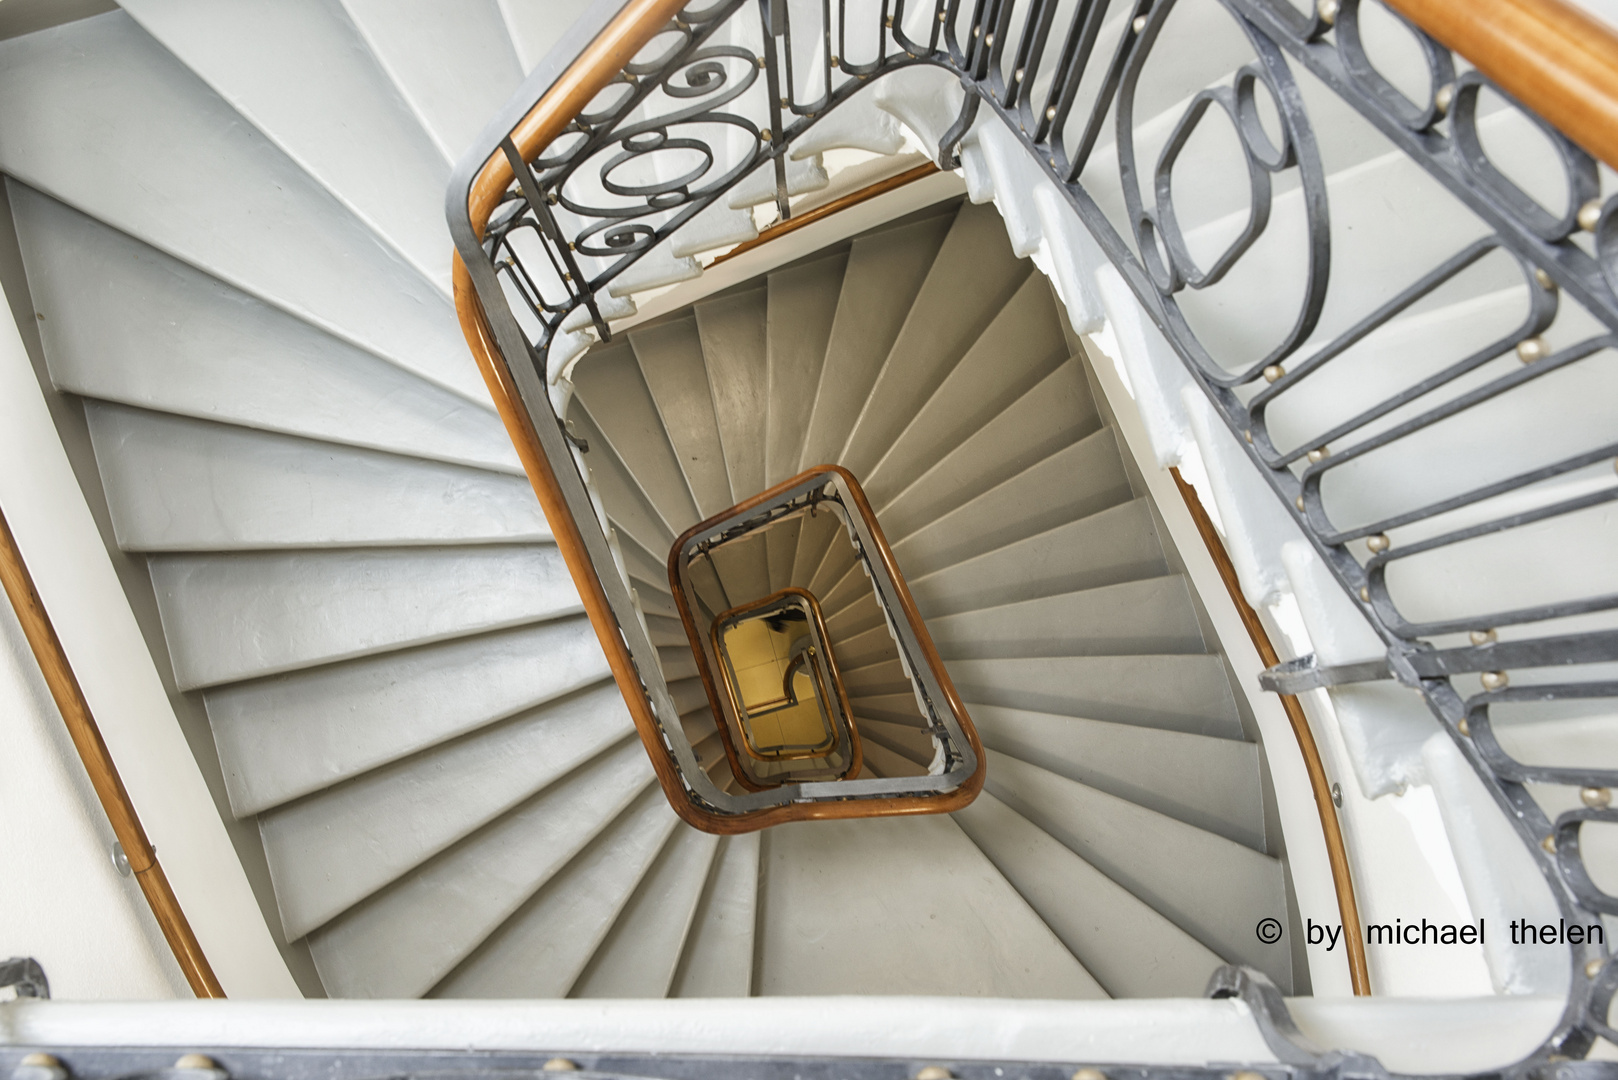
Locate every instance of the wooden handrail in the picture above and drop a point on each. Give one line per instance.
(1553, 57)
(1336, 851)
(109, 787)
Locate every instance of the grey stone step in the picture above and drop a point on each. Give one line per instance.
(802, 307)
(718, 960)
(626, 502)
(1151, 615)
(670, 357)
(734, 347)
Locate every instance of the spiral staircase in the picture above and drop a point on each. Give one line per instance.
(247, 287)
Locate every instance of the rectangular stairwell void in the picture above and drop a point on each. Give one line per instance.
(788, 599)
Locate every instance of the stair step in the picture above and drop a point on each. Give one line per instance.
(865, 647)
(886, 677)
(639, 957)
(331, 850)
(1131, 950)
(744, 569)
(289, 735)
(403, 940)
(735, 347)
(176, 484)
(883, 276)
(923, 870)
(1176, 692)
(886, 764)
(301, 74)
(149, 330)
(667, 632)
(86, 103)
(972, 278)
(781, 548)
(1207, 782)
(454, 66)
(535, 26)
(670, 358)
(631, 511)
(1083, 478)
(1152, 615)
(895, 708)
(802, 308)
(250, 614)
(540, 951)
(1053, 415)
(816, 534)
(1020, 347)
(718, 960)
(608, 384)
(912, 742)
(1116, 545)
(1213, 888)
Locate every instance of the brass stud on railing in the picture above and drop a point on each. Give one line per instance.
(1463, 727)
(989, 40)
(834, 61)
(560, 1064)
(1050, 113)
(1298, 502)
(1248, 434)
(196, 1061)
(1247, 1074)
(1378, 543)
(1016, 76)
(1546, 282)
(1532, 349)
(1444, 98)
(1317, 455)
(943, 16)
(1496, 680)
(1596, 798)
(765, 134)
(1593, 968)
(977, 31)
(1274, 372)
(1549, 844)
(1590, 215)
(1365, 594)
(1089, 1074)
(1483, 637)
(1327, 10)
(934, 1072)
(888, 22)
(1139, 24)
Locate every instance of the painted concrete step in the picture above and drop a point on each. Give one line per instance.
(718, 960)
(333, 849)
(1213, 888)
(642, 951)
(147, 329)
(1114, 546)
(535, 26)
(1207, 782)
(177, 484)
(886, 764)
(911, 742)
(622, 495)
(300, 72)
(1130, 949)
(802, 308)
(402, 941)
(670, 357)
(924, 871)
(1152, 615)
(454, 65)
(289, 735)
(249, 614)
(85, 104)
(883, 276)
(732, 328)
(541, 950)
(1175, 692)
(972, 278)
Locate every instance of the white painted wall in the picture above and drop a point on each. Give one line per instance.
(56, 902)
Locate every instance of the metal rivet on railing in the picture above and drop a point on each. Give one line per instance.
(1444, 98)
(1531, 349)
(1496, 680)
(1546, 282)
(1050, 113)
(1365, 594)
(988, 39)
(1016, 76)
(943, 16)
(977, 31)
(888, 22)
(762, 62)
(1378, 543)
(1549, 844)
(834, 61)
(765, 134)
(1596, 798)
(1593, 968)
(1274, 372)
(560, 1065)
(1052, 160)
(1589, 215)
(1298, 502)
(1248, 434)
(934, 1072)
(1483, 637)
(1089, 1074)
(1463, 727)
(1247, 1074)
(1327, 10)
(1319, 453)
(786, 103)
(1139, 24)
(195, 1061)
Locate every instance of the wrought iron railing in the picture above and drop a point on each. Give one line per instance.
(1401, 468)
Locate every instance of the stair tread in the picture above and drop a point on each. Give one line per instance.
(302, 74)
(885, 763)
(1200, 780)
(883, 276)
(923, 870)
(149, 330)
(289, 735)
(402, 941)
(540, 951)
(1022, 345)
(631, 511)
(734, 347)
(910, 742)
(1130, 949)
(1118, 544)
(609, 386)
(332, 849)
(85, 104)
(802, 308)
(177, 484)
(718, 960)
(1213, 888)
(535, 26)
(670, 358)
(455, 66)
(1149, 615)
(972, 278)
(641, 952)
(249, 614)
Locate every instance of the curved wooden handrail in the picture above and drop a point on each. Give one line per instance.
(98, 763)
(1556, 59)
(1336, 851)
